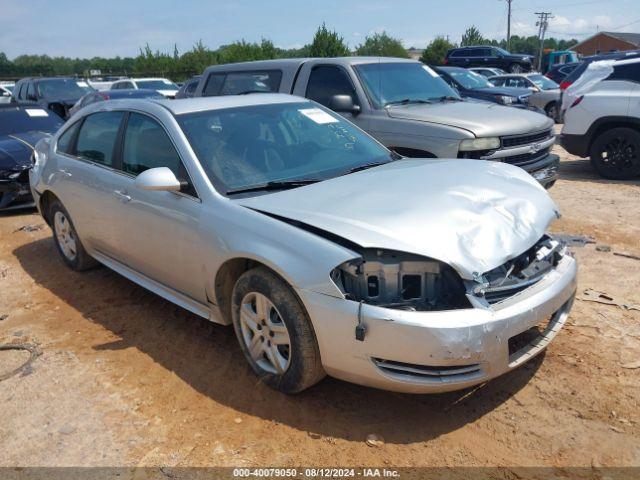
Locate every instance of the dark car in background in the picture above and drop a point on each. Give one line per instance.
(57, 94)
(488, 56)
(103, 96)
(21, 126)
(188, 88)
(473, 85)
(558, 73)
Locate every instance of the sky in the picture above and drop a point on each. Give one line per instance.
(115, 27)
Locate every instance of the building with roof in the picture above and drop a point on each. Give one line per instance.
(604, 42)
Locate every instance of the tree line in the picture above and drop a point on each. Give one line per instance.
(180, 66)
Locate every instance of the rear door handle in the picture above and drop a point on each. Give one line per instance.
(122, 195)
(65, 172)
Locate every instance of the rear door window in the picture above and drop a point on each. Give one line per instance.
(629, 72)
(236, 83)
(326, 81)
(97, 137)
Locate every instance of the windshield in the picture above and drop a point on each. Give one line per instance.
(394, 82)
(62, 88)
(244, 147)
(502, 51)
(468, 79)
(157, 84)
(543, 82)
(21, 120)
(8, 87)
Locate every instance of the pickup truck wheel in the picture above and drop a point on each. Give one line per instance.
(615, 154)
(66, 239)
(515, 68)
(274, 332)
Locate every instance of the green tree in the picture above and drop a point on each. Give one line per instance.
(244, 51)
(328, 44)
(436, 50)
(472, 36)
(382, 45)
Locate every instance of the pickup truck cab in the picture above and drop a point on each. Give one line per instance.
(404, 104)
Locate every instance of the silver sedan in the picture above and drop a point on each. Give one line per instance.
(328, 253)
(545, 93)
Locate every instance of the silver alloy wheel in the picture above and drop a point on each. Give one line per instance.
(264, 333)
(64, 235)
(515, 68)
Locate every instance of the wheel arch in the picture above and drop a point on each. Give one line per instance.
(46, 198)
(606, 123)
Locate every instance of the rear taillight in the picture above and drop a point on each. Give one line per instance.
(577, 101)
(564, 85)
(105, 96)
(445, 61)
(548, 74)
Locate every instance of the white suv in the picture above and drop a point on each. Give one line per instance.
(604, 122)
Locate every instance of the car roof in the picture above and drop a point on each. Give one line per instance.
(297, 62)
(200, 104)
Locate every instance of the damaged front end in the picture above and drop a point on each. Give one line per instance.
(405, 281)
(14, 188)
(400, 280)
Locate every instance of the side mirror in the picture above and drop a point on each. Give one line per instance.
(160, 178)
(6, 94)
(535, 89)
(343, 104)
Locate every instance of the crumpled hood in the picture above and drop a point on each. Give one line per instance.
(481, 119)
(16, 149)
(473, 215)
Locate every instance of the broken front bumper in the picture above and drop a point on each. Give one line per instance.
(428, 352)
(15, 193)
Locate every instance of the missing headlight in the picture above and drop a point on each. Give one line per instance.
(400, 280)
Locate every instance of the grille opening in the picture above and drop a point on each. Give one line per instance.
(517, 140)
(429, 372)
(411, 287)
(524, 339)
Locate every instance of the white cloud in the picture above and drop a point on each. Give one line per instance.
(561, 26)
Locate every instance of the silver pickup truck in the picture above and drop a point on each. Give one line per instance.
(402, 103)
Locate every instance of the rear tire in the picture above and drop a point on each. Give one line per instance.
(275, 332)
(66, 239)
(615, 154)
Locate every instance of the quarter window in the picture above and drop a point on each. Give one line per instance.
(326, 81)
(97, 137)
(629, 72)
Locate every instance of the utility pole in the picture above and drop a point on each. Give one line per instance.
(509, 24)
(542, 24)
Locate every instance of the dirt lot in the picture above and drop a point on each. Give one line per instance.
(126, 378)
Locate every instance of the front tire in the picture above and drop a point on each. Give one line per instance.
(66, 239)
(615, 154)
(275, 333)
(552, 111)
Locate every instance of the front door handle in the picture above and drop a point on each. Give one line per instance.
(122, 195)
(65, 172)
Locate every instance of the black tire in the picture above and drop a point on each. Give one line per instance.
(80, 260)
(304, 368)
(552, 111)
(615, 154)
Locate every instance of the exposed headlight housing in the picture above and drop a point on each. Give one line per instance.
(402, 281)
(505, 99)
(486, 143)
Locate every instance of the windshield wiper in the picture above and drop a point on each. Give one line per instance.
(367, 166)
(445, 98)
(406, 101)
(274, 185)
(246, 92)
